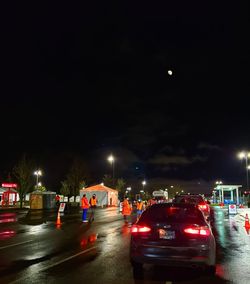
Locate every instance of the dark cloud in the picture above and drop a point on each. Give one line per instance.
(170, 160)
(166, 149)
(176, 160)
(207, 146)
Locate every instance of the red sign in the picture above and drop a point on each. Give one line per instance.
(10, 185)
(62, 207)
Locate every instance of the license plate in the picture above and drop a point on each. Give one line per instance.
(166, 234)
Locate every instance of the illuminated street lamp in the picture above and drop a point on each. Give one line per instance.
(37, 173)
(218, 182)
(111, 159)
(245, 155)
(128, 189)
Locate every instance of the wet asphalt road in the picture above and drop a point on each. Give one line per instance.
(33, 249)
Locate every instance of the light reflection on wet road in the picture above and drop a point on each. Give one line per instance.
(98, 253)
(234, 248)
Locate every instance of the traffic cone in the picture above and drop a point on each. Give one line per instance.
(247, 225)
(58, 219)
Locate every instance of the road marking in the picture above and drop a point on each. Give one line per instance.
(68, 258)
(57, 263)
(17, 244)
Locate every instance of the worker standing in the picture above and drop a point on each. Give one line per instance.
(139, 208)
(85, 207)
(93, 202)
(126, 209)
(57, 200)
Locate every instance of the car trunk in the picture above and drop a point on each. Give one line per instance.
(170, 240)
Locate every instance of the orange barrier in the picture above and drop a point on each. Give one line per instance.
(247, 225)
(58, 219)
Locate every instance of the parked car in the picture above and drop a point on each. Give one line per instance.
(173, 234)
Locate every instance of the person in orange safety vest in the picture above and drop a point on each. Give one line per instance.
(126, 209)
(93, 201)
(139, 207)
(85, 207)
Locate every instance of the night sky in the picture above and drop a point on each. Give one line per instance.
(90, 80)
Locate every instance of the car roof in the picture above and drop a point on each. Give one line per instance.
(192, 194)
(189, 196)
(181, 205)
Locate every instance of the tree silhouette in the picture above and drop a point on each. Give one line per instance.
(23, 174)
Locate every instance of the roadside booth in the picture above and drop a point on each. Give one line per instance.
(2, 190)
(9, 197)
(42, 200)
(232, 189)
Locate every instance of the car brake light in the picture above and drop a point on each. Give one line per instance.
(140, 229)
(203, 207)
(201, 231)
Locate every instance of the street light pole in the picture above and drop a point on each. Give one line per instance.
(245, 155)
(37, 173)
(247, 168)
(113, 173)
(143, 184)
(112, 161)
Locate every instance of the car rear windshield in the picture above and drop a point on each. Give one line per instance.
(161, 214)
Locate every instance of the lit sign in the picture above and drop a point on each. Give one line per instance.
(10, 185)
(232, 209)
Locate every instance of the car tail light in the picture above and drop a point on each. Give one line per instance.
(199, 231)
(140, 229)
(203, 207)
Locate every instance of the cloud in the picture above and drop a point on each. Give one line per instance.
(175, 129)
(166, 149)
(176, 160)
(170, 160)
(199, 159)
(207, 146)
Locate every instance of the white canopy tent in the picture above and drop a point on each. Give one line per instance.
(106, 196)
